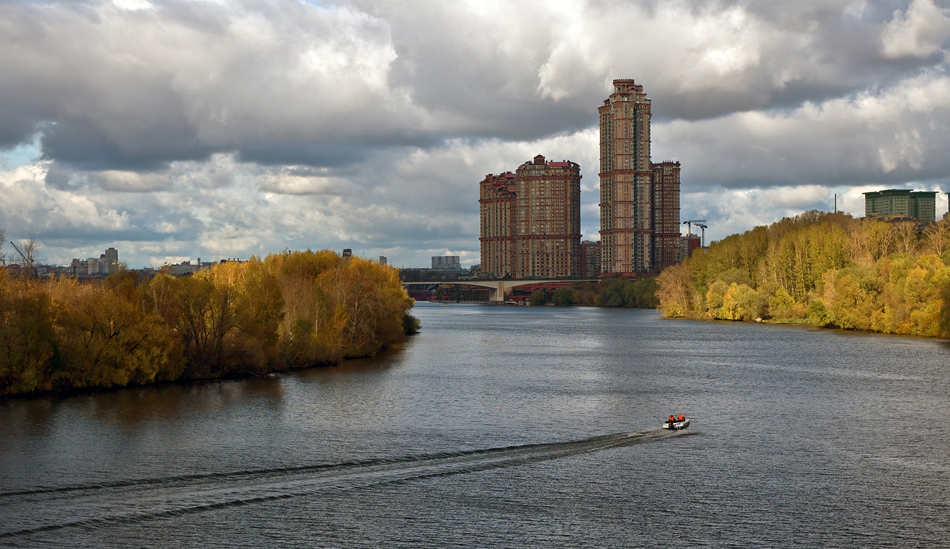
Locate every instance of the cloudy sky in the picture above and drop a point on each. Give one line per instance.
(174, 130)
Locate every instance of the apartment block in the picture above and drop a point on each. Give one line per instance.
(919, 205)
(530, 221)
(446, 263)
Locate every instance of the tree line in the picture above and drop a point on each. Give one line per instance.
(289, 310)
(610, 292)
(825, 269)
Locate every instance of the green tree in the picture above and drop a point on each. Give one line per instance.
(563, 296)
(538, 297)
(613, 294)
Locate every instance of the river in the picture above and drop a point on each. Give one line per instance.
(508, 427)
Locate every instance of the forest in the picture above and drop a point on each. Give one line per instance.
(287, 311)
(823, 269)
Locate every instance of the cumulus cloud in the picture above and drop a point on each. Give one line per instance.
(885, 136)
(919, 31)
(178, 129)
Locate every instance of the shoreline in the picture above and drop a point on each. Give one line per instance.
(77, 391)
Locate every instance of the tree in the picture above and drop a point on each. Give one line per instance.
(256, 303)
(538, 297)
(27, 352)
(905, 237)
(781, 305)
(612, 295)
(201, 315)
(936, 236)
(105, 336)
(368, 303)
(674, 290)
(304, 332)
(563, 297)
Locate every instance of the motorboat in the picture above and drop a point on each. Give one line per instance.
(676, 424)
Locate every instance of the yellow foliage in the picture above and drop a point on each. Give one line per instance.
(289, 310)
(829, 268)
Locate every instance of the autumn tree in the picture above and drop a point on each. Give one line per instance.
(674, 291)
(27, 353)
(106, 338)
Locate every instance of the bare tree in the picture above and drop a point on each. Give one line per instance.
(938, 236)
(905, 237)
(3, 258)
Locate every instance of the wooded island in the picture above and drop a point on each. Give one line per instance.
(289, 310)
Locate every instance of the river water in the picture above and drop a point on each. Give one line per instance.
(508, 427)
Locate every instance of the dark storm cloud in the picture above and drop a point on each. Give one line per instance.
(287, 83)
(135, 89)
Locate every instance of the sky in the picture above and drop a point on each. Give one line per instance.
(177, 130)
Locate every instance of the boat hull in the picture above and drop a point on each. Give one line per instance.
(676, 425)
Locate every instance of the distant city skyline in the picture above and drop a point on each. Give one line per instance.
(265, 126)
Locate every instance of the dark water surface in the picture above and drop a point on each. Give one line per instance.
(509, 427)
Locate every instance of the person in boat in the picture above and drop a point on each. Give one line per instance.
(681, 417)
(672, 419)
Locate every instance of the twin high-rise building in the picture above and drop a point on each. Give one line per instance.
(530, 220)
(639, 200)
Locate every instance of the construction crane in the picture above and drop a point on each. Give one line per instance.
(689, 224)
(702, 239)
(27, 258)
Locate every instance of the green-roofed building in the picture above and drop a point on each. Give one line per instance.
(919, 205)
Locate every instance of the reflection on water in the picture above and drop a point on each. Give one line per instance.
(493, 428)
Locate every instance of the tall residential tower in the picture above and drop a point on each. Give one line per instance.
(531, 221)
(639, 200)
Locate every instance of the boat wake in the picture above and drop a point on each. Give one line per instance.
(42, 510)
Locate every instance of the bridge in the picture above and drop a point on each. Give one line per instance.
(498, 289)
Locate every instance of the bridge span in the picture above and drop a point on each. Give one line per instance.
(499, 289)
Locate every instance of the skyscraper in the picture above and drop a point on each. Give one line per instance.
(531, 221)
(639, 200)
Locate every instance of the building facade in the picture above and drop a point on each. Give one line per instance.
(639, 200)
(110, 260)
(106, 264)
(590, 259)
(530, 221)
(496, 195)
(666, 214)
(446, 263)
(919, 205)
